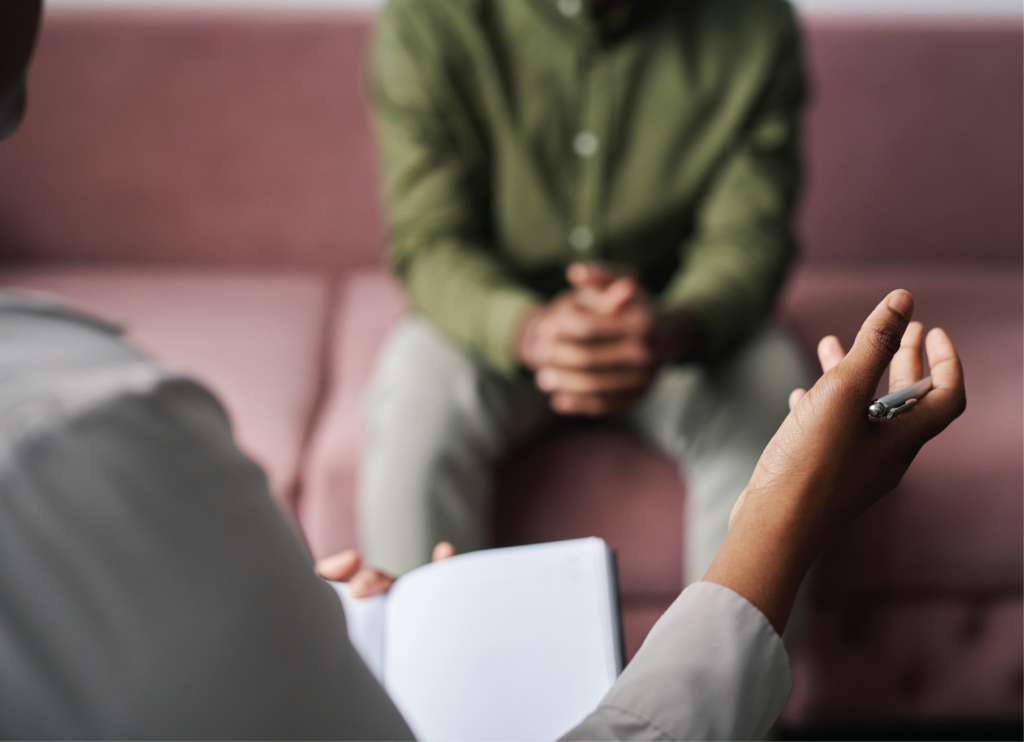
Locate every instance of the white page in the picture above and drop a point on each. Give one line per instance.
(365, 620)
(505, 644)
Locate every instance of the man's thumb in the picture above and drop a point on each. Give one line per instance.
(589, 275)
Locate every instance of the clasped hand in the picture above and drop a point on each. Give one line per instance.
(596, 347)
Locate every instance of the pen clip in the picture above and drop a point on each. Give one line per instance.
(894, 411)
(900, 400)
(880, 409)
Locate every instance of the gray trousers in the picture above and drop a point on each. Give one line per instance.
(439, 420)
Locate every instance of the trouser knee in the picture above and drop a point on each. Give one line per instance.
(437, 421)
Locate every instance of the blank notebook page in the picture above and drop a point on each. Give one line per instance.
(364, 618)
(536, 645)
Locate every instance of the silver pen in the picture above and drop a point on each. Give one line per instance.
(901, 400)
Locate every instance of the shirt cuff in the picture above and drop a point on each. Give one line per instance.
(719, 326)
(505, 309)
(711, 668)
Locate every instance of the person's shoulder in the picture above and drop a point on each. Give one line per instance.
(431, 29)
(740, 34)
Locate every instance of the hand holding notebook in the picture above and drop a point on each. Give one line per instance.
(516, 643)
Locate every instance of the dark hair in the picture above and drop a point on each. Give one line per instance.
(19, 24)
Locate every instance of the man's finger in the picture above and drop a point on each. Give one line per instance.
(574, 321)
(830, 352)
(577, 404)
(596, 275)
(369, 582)
(601, 288)
(620, 381)
(627, 352)
(591, 404)
(906, 364)
(443, 550)
(339, 567)
(589, 275)
(619, 293)
(877, 343)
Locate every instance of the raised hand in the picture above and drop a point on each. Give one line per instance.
(830, 461)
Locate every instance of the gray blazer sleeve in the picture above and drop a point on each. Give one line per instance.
(149, 587)
(712, 668)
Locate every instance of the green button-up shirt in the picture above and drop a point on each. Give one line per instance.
(519, 136)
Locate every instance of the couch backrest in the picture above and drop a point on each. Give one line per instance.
(199, 137)
(914, 141)
(242, 138)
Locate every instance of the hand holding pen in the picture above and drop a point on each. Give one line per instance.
(831, 460)
(906, 387)
(872, 423)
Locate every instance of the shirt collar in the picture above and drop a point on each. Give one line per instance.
(618, 19)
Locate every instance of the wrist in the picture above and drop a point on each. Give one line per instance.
(525, 338)
(771, 545)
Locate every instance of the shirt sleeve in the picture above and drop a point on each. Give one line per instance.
(737, 257)
(151, 588)
(435, 181)
(711, 668)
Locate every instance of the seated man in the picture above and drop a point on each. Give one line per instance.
(589, 207)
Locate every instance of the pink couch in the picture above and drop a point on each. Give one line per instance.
(208, 180)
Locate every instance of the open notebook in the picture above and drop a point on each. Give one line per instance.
(507, 644)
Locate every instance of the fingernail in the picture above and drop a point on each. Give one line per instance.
(902, 303)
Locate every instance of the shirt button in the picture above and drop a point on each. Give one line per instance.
(585, 144)
(570, 8)
(581, 238)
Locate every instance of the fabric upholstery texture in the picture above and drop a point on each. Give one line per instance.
(929, 657)
(913, 141)
(208, 179)
(201, 138)
(255, 339)
(367, 307)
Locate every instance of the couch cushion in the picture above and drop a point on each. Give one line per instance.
(576, 483)
(254, 338)
(368, 306)
(955, 521)
(587, 480)
(924, 658)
